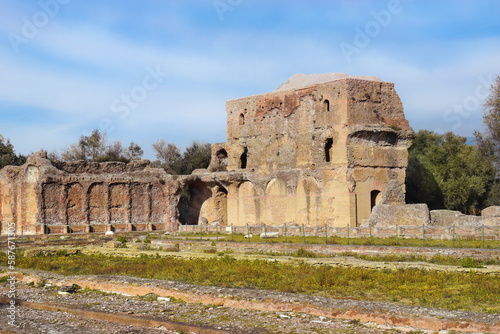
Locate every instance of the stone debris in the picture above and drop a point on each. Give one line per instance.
(264, 235)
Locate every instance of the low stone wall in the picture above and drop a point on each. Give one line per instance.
(490, 232)
(99, 228)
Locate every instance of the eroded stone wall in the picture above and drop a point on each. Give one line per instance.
(335, 141)
(320, 150)
(43, 198)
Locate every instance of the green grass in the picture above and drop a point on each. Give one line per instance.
(436, 259)
(449, 290)
(459, 243)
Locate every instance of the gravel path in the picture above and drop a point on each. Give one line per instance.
(251, 311)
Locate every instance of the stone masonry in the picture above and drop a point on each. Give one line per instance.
(319, 150)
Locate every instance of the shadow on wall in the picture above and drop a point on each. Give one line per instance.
(191, 201)
(421, 186)
(202, 204)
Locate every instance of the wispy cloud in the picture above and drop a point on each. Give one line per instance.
(64, 81)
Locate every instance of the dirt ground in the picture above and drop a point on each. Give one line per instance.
(119, 304)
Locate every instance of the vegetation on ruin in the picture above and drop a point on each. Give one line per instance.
(95, 147)
(449, 290)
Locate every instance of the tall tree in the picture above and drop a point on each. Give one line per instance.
(196, 156)
(168, 156)
(488, 141)
(445, 172)
(134, 152)
(8, 155)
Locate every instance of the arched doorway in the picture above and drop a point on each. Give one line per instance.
(191, 201)
(375, 196)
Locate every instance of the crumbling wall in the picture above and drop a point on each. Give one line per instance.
(80, 197)
(320, 150)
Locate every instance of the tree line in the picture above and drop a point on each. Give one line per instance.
(95, 147)
(444, 170)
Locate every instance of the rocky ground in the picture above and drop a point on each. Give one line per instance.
(227, 319)
(252, 311)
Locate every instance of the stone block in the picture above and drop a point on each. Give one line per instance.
(492, 211)
(386, 215)
(468, 221)
(112, 244)
(444, 217)
(393, 194)
(269, 235)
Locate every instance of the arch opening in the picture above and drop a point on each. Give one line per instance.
(326, 105)
(328, 149)
(375, 197)
(243, 159)
(191, 201)
(222, 160)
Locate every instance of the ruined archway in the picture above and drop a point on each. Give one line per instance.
(221, 160)
(191, 201)
(328, 149)
(326, 105)
(214, 209)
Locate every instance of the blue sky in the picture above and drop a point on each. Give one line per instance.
(151, 69)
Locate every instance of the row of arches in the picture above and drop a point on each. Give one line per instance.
(277, 202)
(103, 203)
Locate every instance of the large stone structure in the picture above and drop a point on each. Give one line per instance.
(318, 150)
(42, 197)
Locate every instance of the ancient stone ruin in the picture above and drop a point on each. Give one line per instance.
(319, 150)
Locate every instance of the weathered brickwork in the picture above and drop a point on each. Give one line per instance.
(318, 151)
(45, 198)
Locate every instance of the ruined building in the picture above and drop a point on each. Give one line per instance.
(318, 150)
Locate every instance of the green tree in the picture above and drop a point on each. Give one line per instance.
(168, 156)
(8, 155)
(447, 173)
(96, 148)
(488, 141)
(196, 156)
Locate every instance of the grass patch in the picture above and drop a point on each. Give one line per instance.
(304, 253)
(449, 290)
(403, 242)
(436, 259)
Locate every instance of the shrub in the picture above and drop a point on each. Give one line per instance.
(471, 263)
(121, 239)
(304, 253)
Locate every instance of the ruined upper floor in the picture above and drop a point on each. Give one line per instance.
(315, 121)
